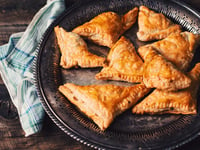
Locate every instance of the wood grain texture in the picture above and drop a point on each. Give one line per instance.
(51, 137)
(15, 15)
(18, 12)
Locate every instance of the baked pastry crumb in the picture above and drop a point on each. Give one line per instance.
(154, 26)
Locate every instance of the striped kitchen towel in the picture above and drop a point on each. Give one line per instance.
(16, 61)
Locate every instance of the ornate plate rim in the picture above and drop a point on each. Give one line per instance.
(45, 103)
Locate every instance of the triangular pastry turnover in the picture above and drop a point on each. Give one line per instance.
(179, 102)
(106, 28)
(160, 73)
(123, 63)
(154, 25)
(102, 103)
(74, 51)
(178, 48)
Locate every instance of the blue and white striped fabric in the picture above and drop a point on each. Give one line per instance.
(16, 60)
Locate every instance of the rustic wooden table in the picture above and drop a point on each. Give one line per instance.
(15, 15)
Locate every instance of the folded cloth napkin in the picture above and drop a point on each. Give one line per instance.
(16, 60)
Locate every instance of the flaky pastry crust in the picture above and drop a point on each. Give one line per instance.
(102, 103)
(178, 48)
(106, 28)
(160, 73)
(179, 102)
(74, 50)
(154, 26)
(123, 63)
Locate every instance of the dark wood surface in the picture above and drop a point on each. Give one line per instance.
(15, 15)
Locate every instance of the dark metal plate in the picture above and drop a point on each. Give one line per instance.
(128, 131)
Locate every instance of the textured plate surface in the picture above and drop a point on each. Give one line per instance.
(128, 131)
